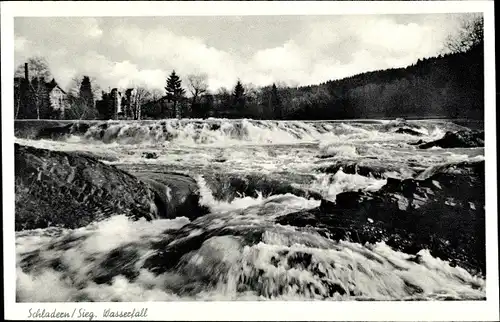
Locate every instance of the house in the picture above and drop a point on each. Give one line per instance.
(57, 97)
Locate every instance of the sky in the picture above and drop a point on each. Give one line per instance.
(297, 50)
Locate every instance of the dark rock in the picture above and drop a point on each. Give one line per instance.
(50, 129)
(399, 123)
(366, 168)
(95, 155)
(120, 261)
(70, 190)
(404, 130)
(227, 186)
(177, 243)
(417, 143)
(55, 132)
(214, 127)
(149, 155)
(176, 194)
(459, 139)
(432, 213)
(80, 128)
(29, 129)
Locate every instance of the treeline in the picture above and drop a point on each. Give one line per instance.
(450, 86)
(446, 86)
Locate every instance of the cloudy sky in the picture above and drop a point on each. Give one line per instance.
(298, 50)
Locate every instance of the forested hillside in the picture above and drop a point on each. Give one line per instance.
(444, 86)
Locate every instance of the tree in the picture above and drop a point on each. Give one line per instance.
(86, 94)
(141, 96)
(156, 94)
(469, 36)
(239, 95)
(175, 92)
(32, 98)
(153, 106)
(73, 88)
(197, 85)
(37, 68)
(40, 98)
(276, 102)
(82, 94)
(105, 106)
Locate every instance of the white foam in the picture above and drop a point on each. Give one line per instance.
(329, 186)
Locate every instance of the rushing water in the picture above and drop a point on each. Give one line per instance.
(255, 258)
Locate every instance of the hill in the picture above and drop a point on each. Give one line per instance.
(450, 86)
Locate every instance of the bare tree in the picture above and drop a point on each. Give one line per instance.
(470, 35)
(197, 86)
(156, 94)
(37, 68)
(139, 97)
(252, 92)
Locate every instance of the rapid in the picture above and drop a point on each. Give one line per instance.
(249, 174)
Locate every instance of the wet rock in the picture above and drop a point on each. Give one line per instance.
(120, 261)
(55, 132)
(433, 212)
(417, 143)
(404, 130)
(71, 190)
(80, 128)
(400, 123)
(178, 243)
(177, 194)
(459, 139)
(367, 168)
(220, 160)
(149, 155)
(50, 129)
(229, 186)
(97, 155)
(214, 127)
(29, 129)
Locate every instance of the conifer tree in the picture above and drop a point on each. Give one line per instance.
(276, 103)
(239, 95)
(86, 94)
(175, 92)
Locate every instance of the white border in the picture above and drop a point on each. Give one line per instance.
(224, 311)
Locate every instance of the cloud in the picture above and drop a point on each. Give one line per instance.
(122, 53)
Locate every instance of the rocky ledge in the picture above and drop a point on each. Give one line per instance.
(442, 210)
(71, 190)
(459, 139)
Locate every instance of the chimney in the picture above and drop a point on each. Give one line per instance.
(26, 71)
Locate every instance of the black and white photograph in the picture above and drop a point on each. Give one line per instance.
(309, 157)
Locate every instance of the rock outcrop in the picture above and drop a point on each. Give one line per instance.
(368, 168)
(50, 129)
(149, 155)
(227, 186)
(443, 211)
(176, 194)
(71, 189)
(459, 139)
(404, 130)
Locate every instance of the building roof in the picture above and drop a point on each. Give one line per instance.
(53, 84)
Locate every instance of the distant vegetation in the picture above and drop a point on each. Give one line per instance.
(450, 85)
